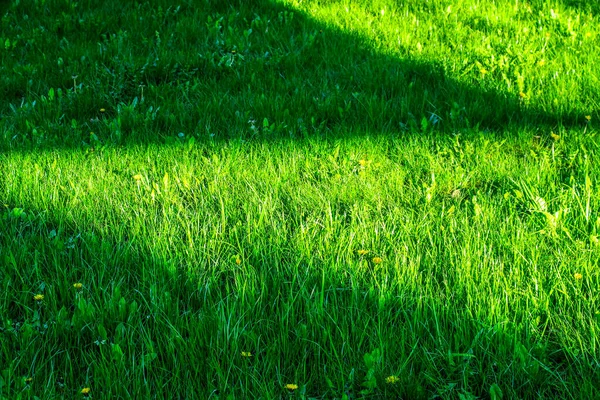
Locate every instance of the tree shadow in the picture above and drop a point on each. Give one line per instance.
(585, 6)
(198, 322)
(242, 79)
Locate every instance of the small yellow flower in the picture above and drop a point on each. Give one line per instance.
(363, 252)
(137, 177)
(78, 285)
(102, 110)
(86, 391)
(238, 261)
(246, 354)
(377, 260)
(588, 117)
(291, 386)
(393, 379)
(363, 162)
(554, 136)
(38, 297)
(578, 276)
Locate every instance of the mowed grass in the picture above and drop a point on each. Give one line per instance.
(361, 200)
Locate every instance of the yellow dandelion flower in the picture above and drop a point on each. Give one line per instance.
(377, 260)
(291, 386)
(78, 285)
(38, 297)
(246, 354)
(588, 117)
(137, 177)
(238, 261)
(86, 390)
(362, 252)
(393, 379)
(554, 136)
(578, 276)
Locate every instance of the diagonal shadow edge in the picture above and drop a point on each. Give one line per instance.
(285, 90)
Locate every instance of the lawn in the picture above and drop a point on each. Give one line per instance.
(207, 199)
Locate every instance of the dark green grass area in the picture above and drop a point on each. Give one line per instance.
(359, 199)
(259, 68)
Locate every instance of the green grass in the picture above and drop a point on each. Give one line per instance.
(348, 192)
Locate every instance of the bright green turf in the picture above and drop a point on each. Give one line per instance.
(212, 172)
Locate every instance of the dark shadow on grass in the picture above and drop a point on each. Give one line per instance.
(197, 323)
(217, 80)
(586, 6)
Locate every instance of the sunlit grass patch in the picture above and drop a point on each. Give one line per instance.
(252, 241)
